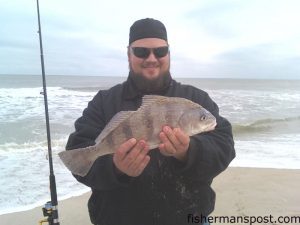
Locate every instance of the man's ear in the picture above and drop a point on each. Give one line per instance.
(128, 53)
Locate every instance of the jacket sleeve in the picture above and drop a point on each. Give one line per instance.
(209, 153)
(102, 175)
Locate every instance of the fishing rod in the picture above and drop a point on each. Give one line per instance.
(50, 209)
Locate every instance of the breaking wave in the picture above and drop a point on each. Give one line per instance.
(264, 125)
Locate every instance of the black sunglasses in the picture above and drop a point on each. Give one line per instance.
(142, 52)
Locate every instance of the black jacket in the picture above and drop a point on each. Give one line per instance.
(168, 190)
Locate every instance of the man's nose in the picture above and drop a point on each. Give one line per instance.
(151, 57)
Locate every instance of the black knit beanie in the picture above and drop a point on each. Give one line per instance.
(147, 28)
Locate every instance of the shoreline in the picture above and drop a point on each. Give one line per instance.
(40, 203)
(241, 191)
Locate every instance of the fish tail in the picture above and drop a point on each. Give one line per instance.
(79, 161)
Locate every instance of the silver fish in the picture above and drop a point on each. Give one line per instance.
(144, 124)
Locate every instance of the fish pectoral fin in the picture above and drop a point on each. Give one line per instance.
(113, 123)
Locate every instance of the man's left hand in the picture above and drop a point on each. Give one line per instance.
(174, 143)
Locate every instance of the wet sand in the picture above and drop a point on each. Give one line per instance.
(240, 192)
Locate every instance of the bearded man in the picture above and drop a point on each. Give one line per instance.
(170, 185)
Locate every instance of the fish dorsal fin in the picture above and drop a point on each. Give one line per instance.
(158, 99)
(150, 99)
(113, 124)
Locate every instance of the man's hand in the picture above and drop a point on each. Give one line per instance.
(174, 143)
(131, 157)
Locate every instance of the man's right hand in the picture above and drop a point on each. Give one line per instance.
(131, 157)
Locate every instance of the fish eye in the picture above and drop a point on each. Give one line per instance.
(203, 117)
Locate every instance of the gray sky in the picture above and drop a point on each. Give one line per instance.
(208, 38)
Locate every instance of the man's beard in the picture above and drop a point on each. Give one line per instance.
(151, 86)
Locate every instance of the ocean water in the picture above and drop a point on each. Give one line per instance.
(265, 115)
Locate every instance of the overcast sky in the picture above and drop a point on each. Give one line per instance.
(208, 38)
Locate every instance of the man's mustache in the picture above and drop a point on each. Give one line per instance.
(150, 64)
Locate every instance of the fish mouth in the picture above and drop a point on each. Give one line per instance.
(209, 127)
(212, 126)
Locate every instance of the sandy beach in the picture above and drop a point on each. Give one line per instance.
(240, 192)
